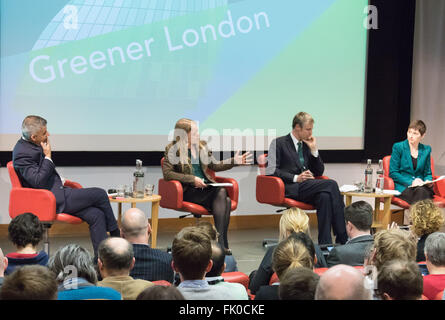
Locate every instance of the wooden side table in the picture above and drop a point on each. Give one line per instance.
(154, 199)
(381, 218)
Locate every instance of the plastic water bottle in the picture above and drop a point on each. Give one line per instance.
(138, 182)
(368, 178)
(380, 182)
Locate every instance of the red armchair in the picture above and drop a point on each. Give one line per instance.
(40, 202)
(171, 195)
(236, 277)
(439, 187)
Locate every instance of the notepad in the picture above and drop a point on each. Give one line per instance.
(222, 184)
(428, 182)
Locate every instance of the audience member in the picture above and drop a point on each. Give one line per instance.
(213, 277)
(342, 282)
(3, 266)
(435, 262)
(399, 280)
(115, 261)
(151, 264)
(25, 232)
(358, 217)
(426, 218)
(76, 275)
(211, 231)
(158, 292)
(192, 253)
(31, 282)
(298, 284)
(290, 253)
(292, 220)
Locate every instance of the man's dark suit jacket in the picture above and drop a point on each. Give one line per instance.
(351, 253)
(283, 162)
(34, 171)
(151, 264)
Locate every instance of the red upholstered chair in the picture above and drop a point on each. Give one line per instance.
(162, 283)
(320, 271)
(439, 187)
(274, 279)
(236, 277)
(39, 202)
(171, 195)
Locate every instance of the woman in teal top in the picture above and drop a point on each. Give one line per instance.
(410, 165)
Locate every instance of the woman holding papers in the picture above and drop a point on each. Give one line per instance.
(186, 160)
(410, 165)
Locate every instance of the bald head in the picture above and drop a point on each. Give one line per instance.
(116, 255)
(342, 282)
(134, 226)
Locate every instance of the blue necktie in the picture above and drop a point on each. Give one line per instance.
(300, 154)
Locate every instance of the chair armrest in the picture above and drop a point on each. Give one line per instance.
(389, 183)
(233, 191)
(236, 277)
(72, 184)
(322, 177)
(270, 190)
(439, 187)
(171, 193)
(40, 202)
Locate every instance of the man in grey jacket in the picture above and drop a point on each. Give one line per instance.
(358, 218)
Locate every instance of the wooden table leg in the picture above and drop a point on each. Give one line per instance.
(348, 200)
(377, 216)
(386, 219)
(119, 213)
(154, 222)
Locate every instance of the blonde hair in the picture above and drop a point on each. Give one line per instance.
(293, 220)
(393, 244)
(426, 217)
(291, 253)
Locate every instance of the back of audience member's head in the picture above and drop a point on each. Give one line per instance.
(342, 282)
(115, 255)
(293, 220)
(298, 284)
(359, 214)
(191, 253)
(218, 257)
(73, 257)
(399, 280)
(3, 263)
(25, 229)
(306, 240)
(134, 224)
(291, 253)
(435, 249)
(31, 282)
(208, 229)
(158, 292)
(426, 217)
(393, 244)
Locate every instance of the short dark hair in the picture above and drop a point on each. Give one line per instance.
(359, 214)
(191, 252)
(298, 284)
(218, 257)
(400, 279)
(418, 125)
(159, 292)
(301, 118)
(115, 260)
(32, 282)
(25, 229)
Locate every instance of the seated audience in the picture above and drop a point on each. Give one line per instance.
(25, 232)
(76, 275)
(426, 218)
(399, 280)
(32, 282)
(292, 220)
(213, 277)
(298, 284)
(290, 253)
(115, 261)
(3, 266)
(342, 282)
(151, 264)
(435, 262)
(210, 229)
(158, 292)
(358, 217)
(192, 253)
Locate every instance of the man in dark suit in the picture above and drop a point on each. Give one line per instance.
(295, 159)
(35, 168)
(358, 218)
(151, 264)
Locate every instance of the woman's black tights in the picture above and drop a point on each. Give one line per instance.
(221, 214)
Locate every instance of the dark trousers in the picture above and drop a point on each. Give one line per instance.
(326, 197)
(93, 206)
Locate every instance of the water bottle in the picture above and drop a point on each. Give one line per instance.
(138, 182)
(368, 178)
(380, 182)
